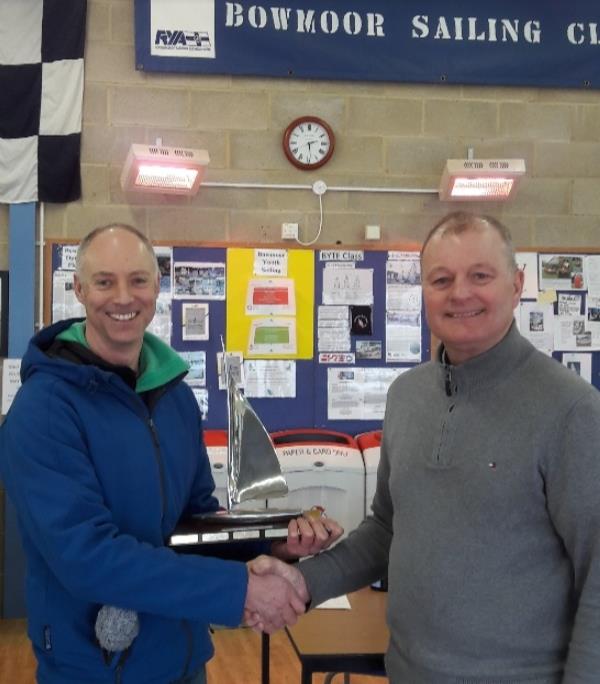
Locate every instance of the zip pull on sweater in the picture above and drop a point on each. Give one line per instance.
(448, 380)
(447, 374)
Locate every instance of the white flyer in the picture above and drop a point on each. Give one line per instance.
(592, 309)
(592, 278)
(201, 396)
(404, 269)
(194, 321)
(235, 361)
(68, 257)
(11, 381)
(403, 337)
(572, 333)
(333, 339)
(270, 378)
(164, 258)
(358, 393)
(161, 324)
(344, 286)
(527, 262)
(580, 364)
(196, 360)
(537, 325)
(569, 304)
(64, 302)
(271, 262)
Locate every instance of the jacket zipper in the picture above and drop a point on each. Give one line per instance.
(190, 647)
(161, 469)
(119, 669)
(161, 472)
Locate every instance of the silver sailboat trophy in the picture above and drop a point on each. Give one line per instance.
(253, 470)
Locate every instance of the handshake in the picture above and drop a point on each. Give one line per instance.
(276, 596)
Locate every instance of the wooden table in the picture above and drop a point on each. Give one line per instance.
(330, 640)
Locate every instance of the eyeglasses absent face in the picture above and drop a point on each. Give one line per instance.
(118, 286)
(470, 290)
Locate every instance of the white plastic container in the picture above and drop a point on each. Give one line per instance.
(322, 468)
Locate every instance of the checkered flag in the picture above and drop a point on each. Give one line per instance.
(41, 93)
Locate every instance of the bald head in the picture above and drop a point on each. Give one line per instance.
(459, 222)
(112, 228)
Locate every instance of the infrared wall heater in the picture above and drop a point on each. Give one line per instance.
(163, 170)
(480, 179)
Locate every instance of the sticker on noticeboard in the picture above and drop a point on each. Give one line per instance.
(338, 358)
(360, 318)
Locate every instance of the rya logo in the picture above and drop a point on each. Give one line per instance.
(178, 39)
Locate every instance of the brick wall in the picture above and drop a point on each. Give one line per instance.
(387, 135)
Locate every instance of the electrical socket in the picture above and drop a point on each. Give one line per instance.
(372, 232)
(289, 231)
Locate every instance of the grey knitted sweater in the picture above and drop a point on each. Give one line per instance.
(488, 509)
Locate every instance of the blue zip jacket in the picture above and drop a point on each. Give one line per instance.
(99, 482)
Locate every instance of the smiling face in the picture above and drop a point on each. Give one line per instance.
(118, 285)
(470, 290)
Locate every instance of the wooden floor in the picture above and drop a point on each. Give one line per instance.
(236, 661)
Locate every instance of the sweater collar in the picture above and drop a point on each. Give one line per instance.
(488, 368)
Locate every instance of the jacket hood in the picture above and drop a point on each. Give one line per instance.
(159, 364)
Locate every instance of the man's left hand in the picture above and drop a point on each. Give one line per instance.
(307, 535)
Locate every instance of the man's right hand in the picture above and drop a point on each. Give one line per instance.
(272, 601)
(263, 565)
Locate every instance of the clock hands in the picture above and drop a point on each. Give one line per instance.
(306, 144)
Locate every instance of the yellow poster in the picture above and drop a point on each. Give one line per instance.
(270, 313)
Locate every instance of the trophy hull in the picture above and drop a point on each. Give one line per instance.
(250, 517)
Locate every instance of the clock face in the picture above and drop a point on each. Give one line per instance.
(308, 142)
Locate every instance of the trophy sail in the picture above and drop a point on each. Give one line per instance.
(252, 466)
(253, 470)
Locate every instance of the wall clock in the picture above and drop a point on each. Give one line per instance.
(308, 142)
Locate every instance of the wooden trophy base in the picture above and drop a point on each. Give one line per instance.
(222, 527)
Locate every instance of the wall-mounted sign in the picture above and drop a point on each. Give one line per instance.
(500, 42)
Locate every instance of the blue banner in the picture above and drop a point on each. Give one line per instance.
(498, 42)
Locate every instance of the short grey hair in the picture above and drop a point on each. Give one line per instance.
(458, 222)
(91, 236)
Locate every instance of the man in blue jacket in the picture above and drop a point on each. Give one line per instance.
(102, 455)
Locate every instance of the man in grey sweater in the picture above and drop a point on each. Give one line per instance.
(486, 515)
